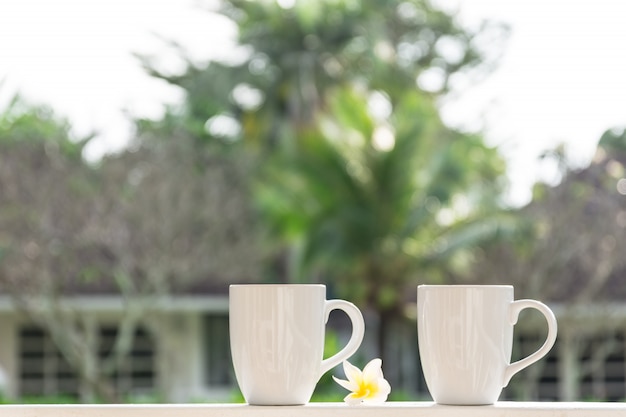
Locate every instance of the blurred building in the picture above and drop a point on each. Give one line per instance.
(187, 358)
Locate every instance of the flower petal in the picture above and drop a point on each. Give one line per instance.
(376, 399)
(373, 371)
(353, 373)
(380, 396)
(349, 385)
(352, 399)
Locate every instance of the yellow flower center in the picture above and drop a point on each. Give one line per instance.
(366, 389)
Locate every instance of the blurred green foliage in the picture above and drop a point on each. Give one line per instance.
(22, 122)
(357, 181)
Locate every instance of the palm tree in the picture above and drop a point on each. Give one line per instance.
(374, 218)
(359, 182)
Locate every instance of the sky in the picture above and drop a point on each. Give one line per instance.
(562, 77)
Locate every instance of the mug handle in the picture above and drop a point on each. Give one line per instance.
(515, 309)
(358, 331)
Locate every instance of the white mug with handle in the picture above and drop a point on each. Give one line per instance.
(465, 335)
(277, 340)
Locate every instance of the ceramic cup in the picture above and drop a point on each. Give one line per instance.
(465, 337)
(277, 340)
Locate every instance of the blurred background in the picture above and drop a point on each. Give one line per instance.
(152, 153)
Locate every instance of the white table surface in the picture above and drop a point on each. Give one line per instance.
(391, 409)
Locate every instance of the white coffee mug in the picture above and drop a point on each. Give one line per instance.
(277, 340)
(465, 335)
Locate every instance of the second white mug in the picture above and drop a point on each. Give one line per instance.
(465, 337)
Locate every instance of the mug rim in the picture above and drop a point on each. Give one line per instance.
(276, 285)
(461, 286)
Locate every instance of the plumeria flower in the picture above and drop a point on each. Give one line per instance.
(369, 386)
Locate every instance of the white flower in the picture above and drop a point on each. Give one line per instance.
(369, 386)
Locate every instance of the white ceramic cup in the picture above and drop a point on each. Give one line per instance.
(277, 340)
(465, 337)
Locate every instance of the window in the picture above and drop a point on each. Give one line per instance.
(219, 371)
(137, 373)
(602, 361)
(45, 372)
(540, 381)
